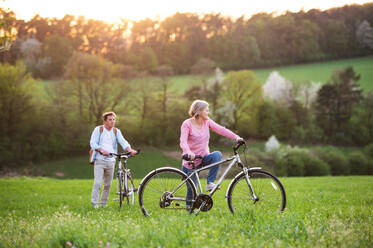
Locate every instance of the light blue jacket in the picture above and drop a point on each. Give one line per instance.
(96, 141)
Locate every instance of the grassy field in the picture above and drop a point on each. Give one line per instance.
(321, 212)
(316, 72)
(321, 72)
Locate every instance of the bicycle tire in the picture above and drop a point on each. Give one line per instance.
(121, 181)
(158, 184)
(270, 192)
(131, 191)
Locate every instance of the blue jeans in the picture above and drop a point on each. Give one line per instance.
(208, 159)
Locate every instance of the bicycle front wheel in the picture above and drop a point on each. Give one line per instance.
(165, 189)
(129, 188)
(259, 190)
(120, 188)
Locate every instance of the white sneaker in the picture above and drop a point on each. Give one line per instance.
(96, 206)
(210, 186)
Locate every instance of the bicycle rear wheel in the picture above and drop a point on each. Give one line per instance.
(269, 193)
(164, 189)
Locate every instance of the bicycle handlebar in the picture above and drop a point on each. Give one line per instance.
(187, 158)
(239, 143)
(119, 155)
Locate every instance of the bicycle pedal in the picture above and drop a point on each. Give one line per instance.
(116, 199)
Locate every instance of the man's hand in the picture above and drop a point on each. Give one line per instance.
(103, 152)
(132, 152)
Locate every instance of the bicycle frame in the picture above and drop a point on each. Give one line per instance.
(235, 159)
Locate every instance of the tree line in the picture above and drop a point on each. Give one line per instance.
(181, 40)
(49, 120)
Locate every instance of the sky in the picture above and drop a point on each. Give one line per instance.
(113, 10)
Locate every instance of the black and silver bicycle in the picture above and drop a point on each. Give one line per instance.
(125, 186)
(252, 188)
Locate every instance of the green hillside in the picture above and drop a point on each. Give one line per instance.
(321, 72)
(316, 72)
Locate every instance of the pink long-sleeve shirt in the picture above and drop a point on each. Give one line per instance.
(196, 140)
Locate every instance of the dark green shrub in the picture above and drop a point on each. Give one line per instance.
(370, 167)
(336, 160)
(314, 166)
(290, 162)
(368, 150)
(299, 162)
(359, 163)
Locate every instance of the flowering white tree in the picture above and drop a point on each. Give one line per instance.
(226, 112)
(30, 48)
(214, 87)
(283, 91)
(272, 144)
(364, 34)
(217, 78)
(278, 89)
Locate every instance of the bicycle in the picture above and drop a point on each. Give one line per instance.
(124, 177)
(166, 188)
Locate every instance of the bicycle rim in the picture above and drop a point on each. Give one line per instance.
(158, 187)
(269, 192)
(120, 190)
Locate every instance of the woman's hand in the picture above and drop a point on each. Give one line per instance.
(191, 155)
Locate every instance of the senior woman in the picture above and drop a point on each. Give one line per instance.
(194, 140)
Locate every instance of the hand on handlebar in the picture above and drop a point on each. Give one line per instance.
(132, 152)
(240, 141)
(191, 155)
(103, 152)
(188, 157)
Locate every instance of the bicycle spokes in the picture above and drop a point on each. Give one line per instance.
(164, 190)
(258, 190)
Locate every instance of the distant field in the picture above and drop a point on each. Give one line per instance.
(316, 72)
(320, 212)
(321, 72)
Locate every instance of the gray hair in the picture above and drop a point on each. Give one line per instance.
(197, 107)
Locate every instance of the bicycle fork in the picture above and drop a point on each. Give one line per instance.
(247, 178)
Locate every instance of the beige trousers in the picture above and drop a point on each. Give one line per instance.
(102, 169)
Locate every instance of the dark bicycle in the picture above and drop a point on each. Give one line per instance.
(166, 189)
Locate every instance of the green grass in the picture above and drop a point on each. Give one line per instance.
(316, 72)
(321, 72)
(321, 212)
(79, 168)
